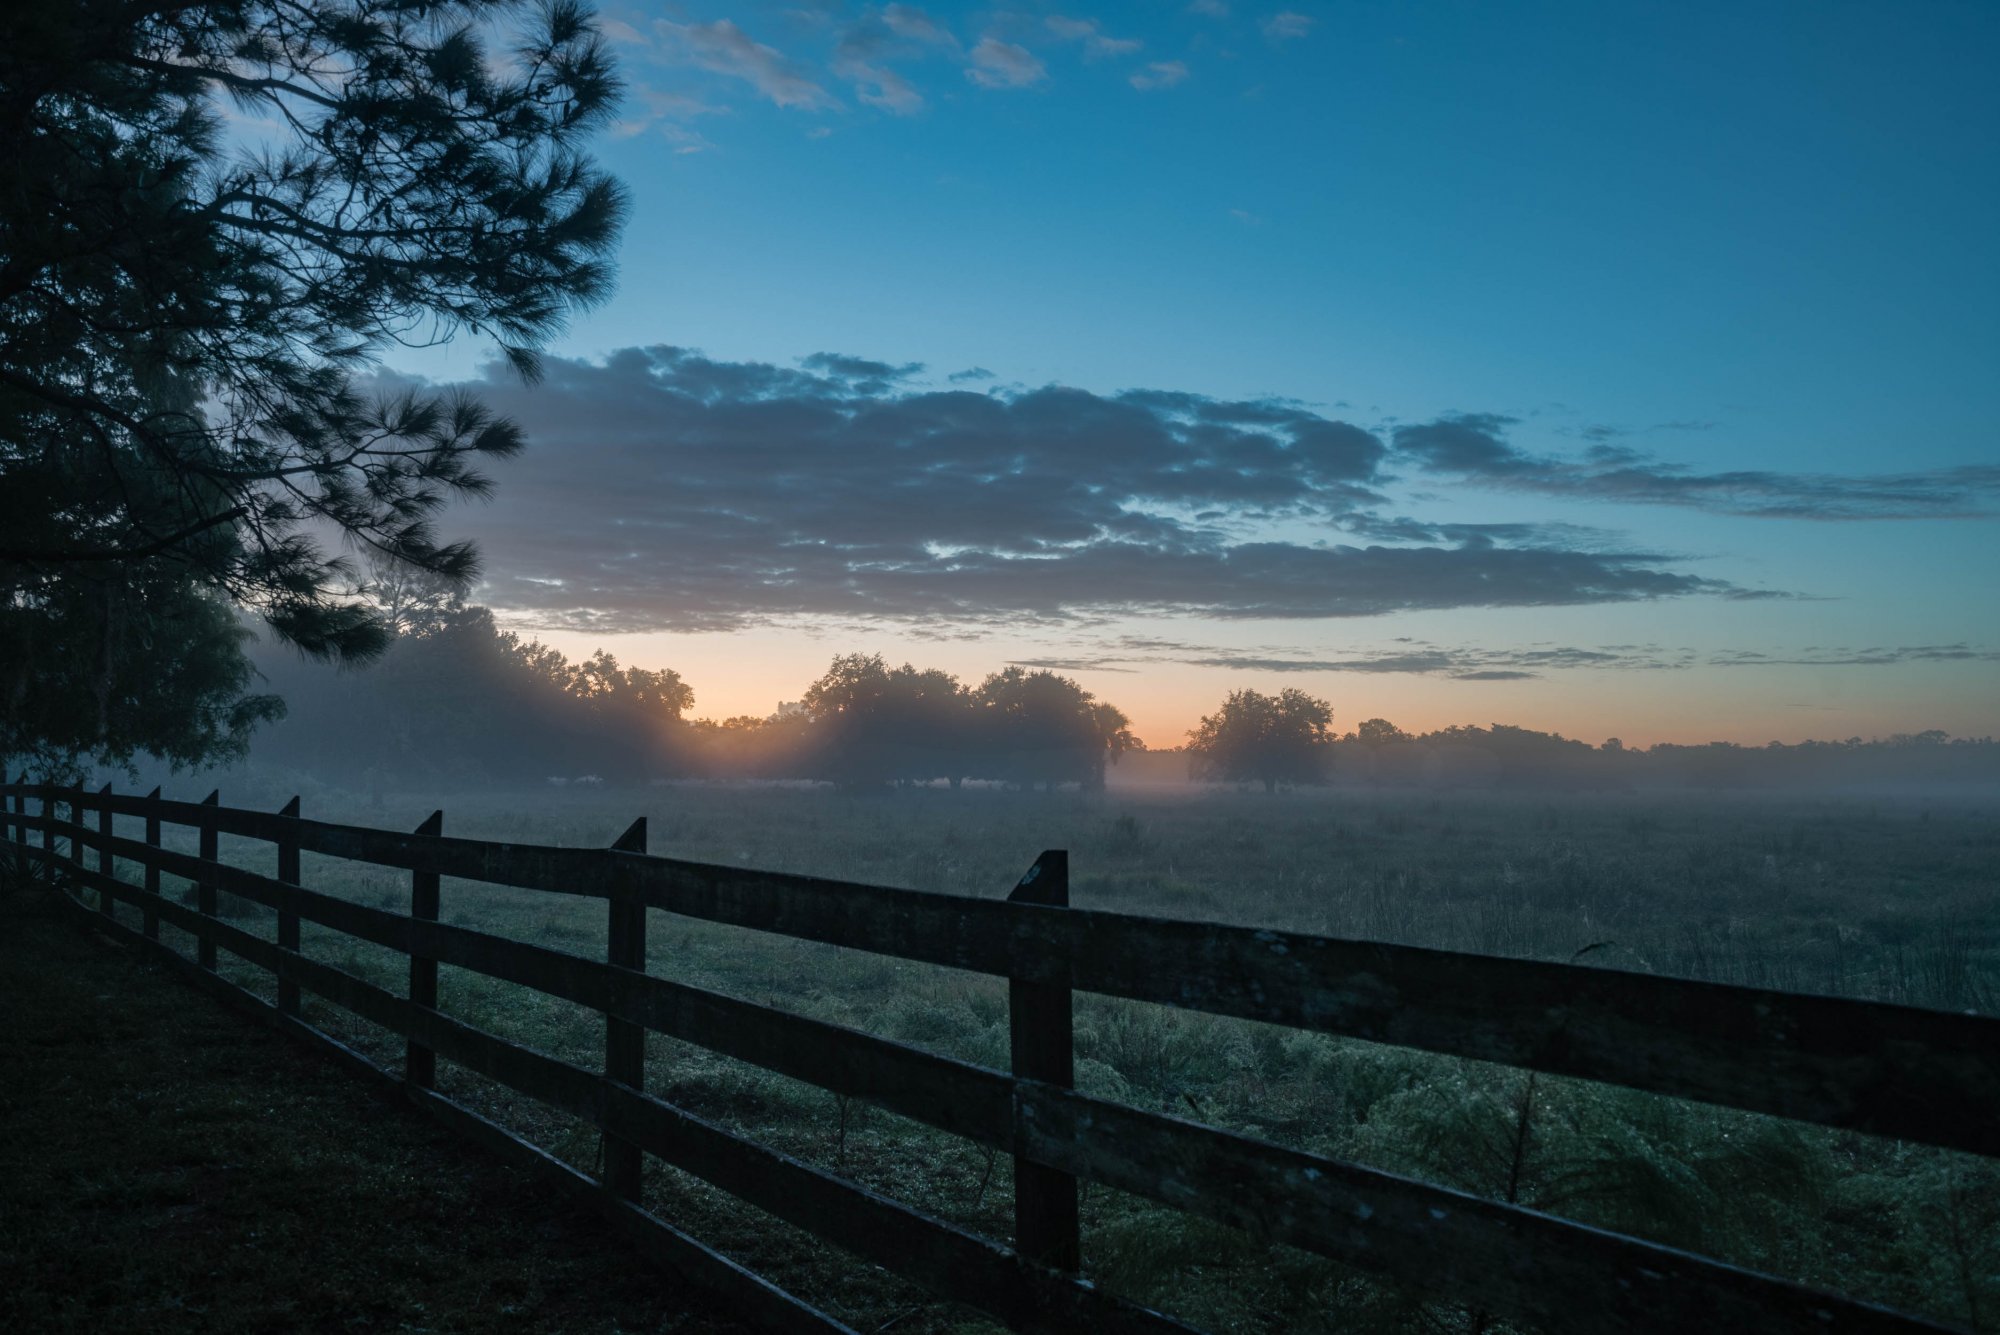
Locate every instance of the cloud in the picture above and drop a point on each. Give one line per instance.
(913, 24)
(861, 375)
(1067, 665)
(867, 47)
(1473, 447)
(669, 490)
(1160, 74)
(669, 112)
(1213, 9)
(998, 64)
(1286, 26)
(970, 373)
(723, 48)
(880, 86)
(1477, 663)
(1878, 656)
(1096, 44)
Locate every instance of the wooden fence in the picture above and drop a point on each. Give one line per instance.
(1919, 1075)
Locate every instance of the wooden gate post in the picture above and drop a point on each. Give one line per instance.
(48, 824)
(204, 892)
(625, 1042)
(288, 921)
(106, 866)
(420, 1062)
(150, 915)
(1043, 1042)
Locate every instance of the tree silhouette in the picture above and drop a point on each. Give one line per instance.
(873, 724)
(185, 306)
(1038, 727)
(1272, 739)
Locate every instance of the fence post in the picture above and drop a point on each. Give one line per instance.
(151, 915)
(625, 1042)
(204, 893)
(419, 1062)
(1042, 1039)
(48, 825)
(288, 921)
(106, 864)
(75, 822)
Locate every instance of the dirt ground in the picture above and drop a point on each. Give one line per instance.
(166, 1166)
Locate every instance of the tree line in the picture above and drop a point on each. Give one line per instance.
(459, 701)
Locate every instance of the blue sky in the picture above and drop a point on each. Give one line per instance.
(1744, 252)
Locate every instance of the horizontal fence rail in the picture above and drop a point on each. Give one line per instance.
(1916, 1074)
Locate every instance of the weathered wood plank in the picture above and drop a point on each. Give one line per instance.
(419, 1062)
(150, 916)
(205, 889)
(106, 864)
(954, 1096)
(624, 1041)
(288, 921)
(1041, 1036)
(1901, 1071)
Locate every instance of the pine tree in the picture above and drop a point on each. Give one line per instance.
(215, 219)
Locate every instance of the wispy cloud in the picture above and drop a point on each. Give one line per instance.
(998, 64)
(1473, 448)
(1477, 663)
(910, 22)
(1097, 44)
(723, 48)
(1159, 74)
(869, 47)
(1877, 656)
(1287, 26)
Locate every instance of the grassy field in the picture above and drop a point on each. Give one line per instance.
(1885, 899)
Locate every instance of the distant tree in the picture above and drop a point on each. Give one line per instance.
(656, 694)
(873, 724)
(461, 700)
(1271, 739)
(185, 305)
(1038, 727)
(1379, 732)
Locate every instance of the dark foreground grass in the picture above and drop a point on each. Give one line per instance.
(167, 1166)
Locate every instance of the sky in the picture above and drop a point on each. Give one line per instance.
(1610, 368)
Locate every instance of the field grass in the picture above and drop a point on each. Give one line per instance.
(1883, 899)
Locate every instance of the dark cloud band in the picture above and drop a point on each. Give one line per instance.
(669, 490)
(1473, 447)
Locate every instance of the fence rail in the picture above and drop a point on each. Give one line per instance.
(1916, 1074)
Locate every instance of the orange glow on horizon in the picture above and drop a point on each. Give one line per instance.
(750, 672)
